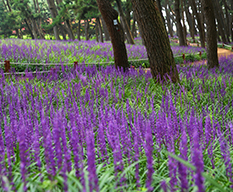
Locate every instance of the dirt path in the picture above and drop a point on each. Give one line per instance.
(221, 53)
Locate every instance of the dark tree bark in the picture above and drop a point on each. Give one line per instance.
(199, 24)
(211, 40)
(219, 17)
(219, 21)
(160, 9)
(140, 31)
(40, 20)
(79, 30)
(127, 13)
(157, 43)
(29, 28)
(231, 24)
(115, 30)
(53, 10)
(97, 31)
(100, 29)
(66, 26)
(168, 15)
(182, 39)
(193, 28)
(133, 31)
(87, 29)
(189, 20)
(126, 27)
(106, 33)
(228, 25)
(38, 26)
(183, 20)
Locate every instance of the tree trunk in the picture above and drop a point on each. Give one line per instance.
(160, 10)
(115, 29)
(29, 28)
(183, 20)
(5, 5)
(37, 25)
(8, 4)
(211, 40)
(87, 29)
(189, 20)
(106, 33)
(69, 30)
(96, 31)
(34, 29)
(140, 30)
(231, 24)
(127, 13)
(182, 40)
(170, 29)
(67, 26)
(79, 29)
(53, 12)
(100, 29)
(157, 43)
(228, 28)
(129, 35)
(199, 24)
(219, 20)
(193, 28)
(133, 31)
(40, 21)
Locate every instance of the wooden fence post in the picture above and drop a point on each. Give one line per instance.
(7, 66)
(75, 64)
(183, 57)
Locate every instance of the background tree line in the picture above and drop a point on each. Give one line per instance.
(120, 20)
(31, 17)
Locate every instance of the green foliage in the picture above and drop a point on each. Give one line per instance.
(9, 21)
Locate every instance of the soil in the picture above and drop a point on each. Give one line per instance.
(221, 53)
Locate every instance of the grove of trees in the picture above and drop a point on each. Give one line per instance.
(121, 20)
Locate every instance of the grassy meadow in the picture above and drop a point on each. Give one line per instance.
(100, 129)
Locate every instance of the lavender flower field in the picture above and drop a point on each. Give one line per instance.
(99, 129)
(46, 51)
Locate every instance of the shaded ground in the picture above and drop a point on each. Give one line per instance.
(221, 53)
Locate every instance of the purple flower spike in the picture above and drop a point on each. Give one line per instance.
(226, 158)
(164, 186)
(149, 155)
(93, 179)
(197, 159)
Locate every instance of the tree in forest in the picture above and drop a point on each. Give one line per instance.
(179, 27)
(125, 24)
(87, 10)
(10, 20)
(115, 30)
(199, 22)
(156, 39)
(211, 49)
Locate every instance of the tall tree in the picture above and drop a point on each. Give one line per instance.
(106, 33)
(180, 29)
(100, 29)
(211, 49)
(125, 23)
(156, 39)
(53, 12)
(168, 18)
(219, 17)
(199, 23)
(115, 30)
(64, 16)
